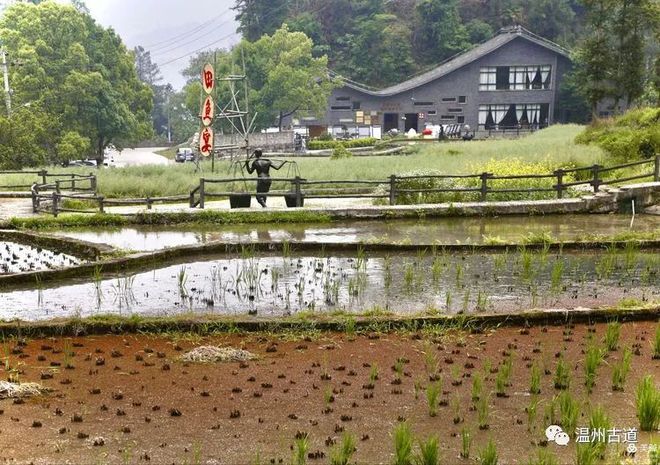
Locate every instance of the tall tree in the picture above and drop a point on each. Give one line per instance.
(78, 74)
(442, 34)
(258, 17)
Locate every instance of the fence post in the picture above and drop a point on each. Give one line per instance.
(297, 187)
(484, 185)
(149, 202)
(43, 174)
(92, 182)
(201, 193)
(596, 177)
(192, 199)
(656, 169)
(56, 200)
(57, 187)
(560, 183)
(35, 200)
(101, 207)
(393, 189)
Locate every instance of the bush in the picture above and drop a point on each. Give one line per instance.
(349, 144)
(414, 198)
(340, 152)
(632, 136)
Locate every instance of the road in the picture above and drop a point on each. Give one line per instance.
(140, 156)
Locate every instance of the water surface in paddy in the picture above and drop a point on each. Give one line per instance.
(438, 231)
(17, 258)
(402, 283)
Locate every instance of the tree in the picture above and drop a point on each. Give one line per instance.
(72, 146)
(442, 34)
(259, 17)
(551, 19)
(79, 74)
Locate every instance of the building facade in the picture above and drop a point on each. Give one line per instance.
(508, 82)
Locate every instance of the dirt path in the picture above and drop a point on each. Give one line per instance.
(140, 404)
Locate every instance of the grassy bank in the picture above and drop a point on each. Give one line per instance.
(553, 146)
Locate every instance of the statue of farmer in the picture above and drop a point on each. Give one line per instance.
(262, 166)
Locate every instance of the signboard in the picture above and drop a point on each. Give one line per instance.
(208, 78)
(208, 111)
(206, 142)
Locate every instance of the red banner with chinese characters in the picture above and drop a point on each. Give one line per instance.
(206, 142)
(208, 78)
(208, 111)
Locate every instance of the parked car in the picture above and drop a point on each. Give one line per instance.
(183, 155)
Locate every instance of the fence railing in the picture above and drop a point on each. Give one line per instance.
(49, 198)
(42, 177)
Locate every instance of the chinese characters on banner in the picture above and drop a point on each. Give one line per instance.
(206, 142)
(208, 111)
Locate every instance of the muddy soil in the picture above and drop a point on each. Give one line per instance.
(129, 399)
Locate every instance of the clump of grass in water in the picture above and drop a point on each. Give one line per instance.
(432, 395)
(621, 370)
(482, 301)
(403, 443)
(607, 263)
(341, 454)
(556, 276)
(408, 277)
(647, 401)
(612, 334)
(535, 382)
(466, 443)
(387, 274)
(429, 452)
(593, 359)
(436, 269)
(631, 255)
(488, 455)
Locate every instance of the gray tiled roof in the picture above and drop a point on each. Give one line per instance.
(505, 36)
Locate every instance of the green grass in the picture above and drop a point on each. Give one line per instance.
(403, 445)
(647, 401)
(341, 453)
(552, 146)
(569, 412)
(429, 452)
(488, 455)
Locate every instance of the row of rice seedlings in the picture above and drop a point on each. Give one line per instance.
(404, 454)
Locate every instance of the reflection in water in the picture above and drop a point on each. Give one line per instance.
(401, 283)
(432, 231)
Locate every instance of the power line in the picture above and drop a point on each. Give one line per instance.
(195, 30)
(173, 47)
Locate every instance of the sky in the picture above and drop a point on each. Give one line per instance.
(170, 29)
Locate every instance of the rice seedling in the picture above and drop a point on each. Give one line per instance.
(612, 334)
(500, 384)
(556, 276)
(387, 272)
(341, 453)
(607, 263)
(631, 255)
(482, 301)
(350, 326)
(599, 421)
(408, 277)
(549, 412)
(483, 412)
(466, 443)
(182, 279)
(403, 444)
(456, 377)
(398, 371)
(569, 411)
(432, 394)
(459, 274)
(373, 373)
(477, 387)
(456, 408)
(499, 262)
(430, 361)
(436, 269)
(543, 457)
(466, 300)
(300, 448)
(123, 291)
(535, 382)
(448, 300)
(488, 455)
(531, 411)
(562, 378)
(286, 250)
(40, 290)
(67, 353)
(361, 260)
(593, 359)
(656, 343)
(526, 260)
(620, 370)
(417, 387)
(585, 454)
(429, 452)
(647, 402)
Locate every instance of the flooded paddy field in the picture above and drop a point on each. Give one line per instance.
(430, 231)
(430, 281)
(17, 258)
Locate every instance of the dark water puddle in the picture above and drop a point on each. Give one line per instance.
(402, 283)
(17, 258)
(432, 231)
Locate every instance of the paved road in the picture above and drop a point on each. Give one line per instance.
(141, 156)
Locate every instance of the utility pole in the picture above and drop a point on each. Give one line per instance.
(5, 72)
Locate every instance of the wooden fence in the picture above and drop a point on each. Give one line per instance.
(49, 198)
(41, 177)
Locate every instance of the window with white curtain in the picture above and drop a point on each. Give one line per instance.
(488, 78)
(526, 77)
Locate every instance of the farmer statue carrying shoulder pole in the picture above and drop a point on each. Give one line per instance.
(262, 166)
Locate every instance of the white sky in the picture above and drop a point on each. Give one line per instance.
(154, 23)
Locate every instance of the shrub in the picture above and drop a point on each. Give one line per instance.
(340, 152)
(414, 198)
(349, 144)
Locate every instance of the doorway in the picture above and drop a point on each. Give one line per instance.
(412, 122)
(390, 121)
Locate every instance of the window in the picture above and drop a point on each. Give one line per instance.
(502, 78)
(462, 99)
(340, 107)
(527, 77)
(343, 98)
(449, 99)
(356, 105)
(423, 104)
(487, 78)
(460, 119)
(447, 117)
(455, 110)
(432, 112)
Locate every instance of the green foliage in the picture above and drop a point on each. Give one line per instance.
(349, 144)
(562, 378)
(340, 152)
(569, 412)
(544, 457)
(77, 77)
(432, 394)
(647, 401)
(466, 443)
(403, 444)
(341, 454)
(441, 31)
(593, 359)
(429, 452)
(73, 146)
(612, 336)
(488, 455)
(630, 137)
